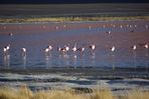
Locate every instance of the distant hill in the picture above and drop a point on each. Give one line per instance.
(69, 1)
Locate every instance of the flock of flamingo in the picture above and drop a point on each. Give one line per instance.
(74, 49)
(50, 48)
(66, 48)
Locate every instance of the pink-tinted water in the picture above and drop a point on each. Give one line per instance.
(35, 37)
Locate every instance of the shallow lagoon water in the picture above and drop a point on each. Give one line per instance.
(35, 37)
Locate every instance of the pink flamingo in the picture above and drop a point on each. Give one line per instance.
(6, 49)
(134, 48)
(147, 53)
(24, 51)
(74, 49)
(113, 48)
(146, 46)
(63, 50)
(92, 47)
(113, 56)
(48, 49)
(109, 32)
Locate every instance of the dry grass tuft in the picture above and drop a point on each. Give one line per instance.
(136, 94)
(64, 19)
(102, 94)
(24, 93)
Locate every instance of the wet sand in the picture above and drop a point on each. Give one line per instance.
(80, 79)
(98, 73)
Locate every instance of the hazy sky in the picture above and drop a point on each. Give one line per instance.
(74, 1)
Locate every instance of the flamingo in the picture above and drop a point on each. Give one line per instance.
(113, 50)
(134, 47)
(74, 49)
(24, 57)
(67, 48)
(109, 32)
(6, 56)
(92, 47)
(24, 51)
(146, 46)
(147, 53)
(92, 52)
(81, 49)
(50, 47)
(46, 50)
(61, 49)
(121, 26)
(64, 54)
(4, 50)
(8, 47)
(134, 54)
(64, 50)
(10, 34)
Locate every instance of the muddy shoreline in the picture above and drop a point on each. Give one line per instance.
(103, 73)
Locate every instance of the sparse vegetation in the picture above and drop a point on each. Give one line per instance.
(25, 93)
(62, 19)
